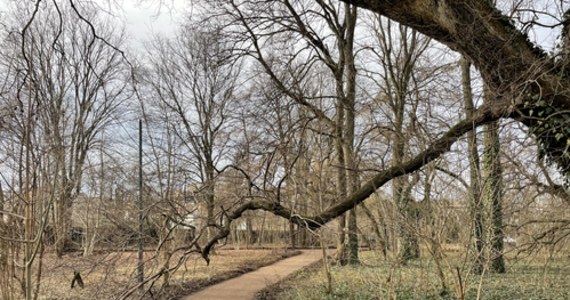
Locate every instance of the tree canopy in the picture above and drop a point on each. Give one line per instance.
(527, 84)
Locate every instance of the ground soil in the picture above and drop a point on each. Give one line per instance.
(255, 263)
(106, 274)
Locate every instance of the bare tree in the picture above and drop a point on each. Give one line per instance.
(63, 88)
(78, 85)
(195, 83)
(399, 51)
(266, 39)
(529, 86)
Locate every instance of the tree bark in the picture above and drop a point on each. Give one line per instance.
(475, 201)
(493, 192)
(518, 73)
(341, 184)
(377, 228)
(349, 125)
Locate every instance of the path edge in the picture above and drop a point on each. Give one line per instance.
(270, 291)
(189, 290)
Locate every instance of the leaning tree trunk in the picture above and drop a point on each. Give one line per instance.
(532, 86)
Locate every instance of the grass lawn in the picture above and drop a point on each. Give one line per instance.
(526, 278)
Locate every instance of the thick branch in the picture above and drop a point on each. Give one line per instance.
(519, 73)
(555, 190)
(437, 148)
(477, 29)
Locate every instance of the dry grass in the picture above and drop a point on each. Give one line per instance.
(537, 277)
(108, 275)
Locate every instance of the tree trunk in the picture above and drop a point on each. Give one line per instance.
(521, 74)
(302, 196)
(6, 255)
(292, 237)
(408, 246)
(349, 125)
(341, 184)
(475, 201)
(401, 50)
(493, 192)
(210, 192)
(64, 212)
(261, 237)
(376, 228)
(435, 238)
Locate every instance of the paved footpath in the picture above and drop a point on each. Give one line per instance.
(246, 285)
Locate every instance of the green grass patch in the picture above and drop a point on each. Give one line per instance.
(377, 278)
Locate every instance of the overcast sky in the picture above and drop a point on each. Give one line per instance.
(144, 19)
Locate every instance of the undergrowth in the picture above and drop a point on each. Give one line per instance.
(377, 278)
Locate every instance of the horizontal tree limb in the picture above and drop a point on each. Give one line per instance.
(440, 146)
